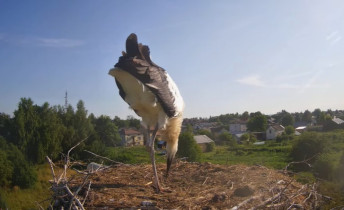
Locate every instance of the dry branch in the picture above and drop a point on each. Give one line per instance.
(63, 197)
(105, 158)
(306, 161)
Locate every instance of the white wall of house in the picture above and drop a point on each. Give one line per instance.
(237, 128)
(272, 133)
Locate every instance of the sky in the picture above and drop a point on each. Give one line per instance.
(225, 56)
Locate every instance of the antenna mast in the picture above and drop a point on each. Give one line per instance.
(66, 101)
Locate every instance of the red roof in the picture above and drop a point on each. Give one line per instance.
(130, 131)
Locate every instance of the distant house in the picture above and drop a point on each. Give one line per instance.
(301, 129)
(238, 126)
(217, 130)
(131, 137)
(335, 123)
(273, 131)
(204, 126)
(203, 141)
(301, 124)
(238, 136)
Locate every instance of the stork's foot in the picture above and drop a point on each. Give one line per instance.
(160, 189)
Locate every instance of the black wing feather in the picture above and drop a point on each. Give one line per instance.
(139, 65)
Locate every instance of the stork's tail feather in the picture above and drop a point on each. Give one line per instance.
(132, 46)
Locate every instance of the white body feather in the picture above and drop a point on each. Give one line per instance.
(145, 104)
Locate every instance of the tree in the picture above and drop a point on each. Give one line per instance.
(244, 116)
(257, 122)
(289, 130)
(6, 169)
(187, 147)
(226, 138)
(5, 127)
(51, 132)
(24, 175)
(133, 122)
(324, 118)
(26, 122)
(107, 131)
(307, 116)
(317, 113)
(120, 123)
(287, 119)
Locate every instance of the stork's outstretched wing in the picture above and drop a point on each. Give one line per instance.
(137, 62)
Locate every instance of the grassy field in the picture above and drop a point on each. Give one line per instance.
(261, 155)
(272, 155)
(17, 198)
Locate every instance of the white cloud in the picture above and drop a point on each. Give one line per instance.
(59, 43)
(333, 37)
(252, 81)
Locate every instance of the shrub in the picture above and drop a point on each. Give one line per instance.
(340, 170)
(6, 169)
(308, 145)
(323, 167)
(305, 177)
(187, 147)
(24, 175)
(210, 147)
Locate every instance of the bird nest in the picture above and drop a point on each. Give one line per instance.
(193, 186)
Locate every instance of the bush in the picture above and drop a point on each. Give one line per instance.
(305, 177)
(3, 204)
(187, 147)
(323, 167)
(340, 170)
(24, 175)
(210, 147)
(308, 145)
(6, 169)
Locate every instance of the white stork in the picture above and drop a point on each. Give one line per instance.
(153, 95)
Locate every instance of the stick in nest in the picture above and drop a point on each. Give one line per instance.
(62, 195)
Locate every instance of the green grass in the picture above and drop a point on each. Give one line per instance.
(16, 198)
(276, 158)
(132, 155)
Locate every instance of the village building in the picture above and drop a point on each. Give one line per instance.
(131, 137)
(273, 131)
(203, 141)
(238, 127)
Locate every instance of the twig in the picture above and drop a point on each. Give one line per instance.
(298, 162)
(104, 158)
(88, 189)
(245, 202)
(205, 180)
(74, 198)
(51, 167)
(272, 199)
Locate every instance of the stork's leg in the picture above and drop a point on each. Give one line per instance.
(152, 155)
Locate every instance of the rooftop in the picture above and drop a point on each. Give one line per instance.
(202, 139)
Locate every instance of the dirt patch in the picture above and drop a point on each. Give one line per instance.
(197, 186)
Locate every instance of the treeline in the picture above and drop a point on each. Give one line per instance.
(284, 117)
(37, 131)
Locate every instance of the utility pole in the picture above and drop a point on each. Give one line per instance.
(66, 102)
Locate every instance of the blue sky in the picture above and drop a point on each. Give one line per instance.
(225, 56)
